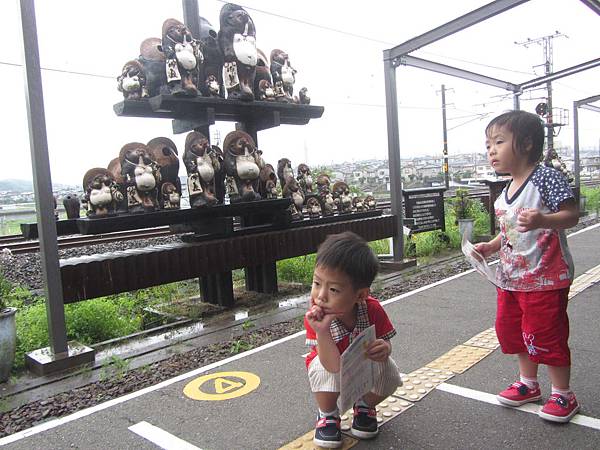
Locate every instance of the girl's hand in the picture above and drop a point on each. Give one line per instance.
(485, 248)
(379, 350)
(529, 219)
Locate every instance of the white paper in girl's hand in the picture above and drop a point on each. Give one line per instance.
(477, 260)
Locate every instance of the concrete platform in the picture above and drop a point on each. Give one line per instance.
(460, 413)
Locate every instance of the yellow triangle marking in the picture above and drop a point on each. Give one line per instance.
(223, 385)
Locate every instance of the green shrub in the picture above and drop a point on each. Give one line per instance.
(592, 198)
(88, 322)
(297, 270)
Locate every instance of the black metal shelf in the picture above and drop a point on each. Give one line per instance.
(189, 113)
(125, 222)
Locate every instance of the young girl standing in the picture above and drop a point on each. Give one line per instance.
(536, 268)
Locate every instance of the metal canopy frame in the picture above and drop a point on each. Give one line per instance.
(399, 56)
(584, 104)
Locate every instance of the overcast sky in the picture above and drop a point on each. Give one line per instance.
(337, 49)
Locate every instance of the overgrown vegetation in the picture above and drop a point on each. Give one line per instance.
(97, 320)
(592, 199)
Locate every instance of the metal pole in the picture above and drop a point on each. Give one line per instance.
(42, 183)
(391, 101)
(516, 101)
(191, 17)
(445, 168)
(576, 164)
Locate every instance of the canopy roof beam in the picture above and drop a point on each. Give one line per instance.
(413, 61)
(458, 24)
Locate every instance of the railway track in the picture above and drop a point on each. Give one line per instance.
(17, 244)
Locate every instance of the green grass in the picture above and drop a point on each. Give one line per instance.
(592, 198)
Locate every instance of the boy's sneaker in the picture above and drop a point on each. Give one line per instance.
(364, 424)
(328, 433)
(518, 394)
(559, 409)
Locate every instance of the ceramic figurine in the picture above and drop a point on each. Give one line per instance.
(114, 167)
(141, 177)
(219, 175)
(72, 206)
(284, 171)
(284, 75)
(358, 204)
(212, 76)
(183, 58)
(341, 196)
(263, 84)
(328, 203)
(323, 182)
(164, 152)
(293, 191)
(170, 198)
(101, 193)
(237, 40)
(268, 182)
(370, 203)
(132, 81)
(304, 178)
(303, 97)
(201, 163)
(152, 60)
(242, 165)
(313, 207)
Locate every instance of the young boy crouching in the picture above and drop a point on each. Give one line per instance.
(340, 309)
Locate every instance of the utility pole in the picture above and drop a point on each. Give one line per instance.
(546, 42)
(445, 131)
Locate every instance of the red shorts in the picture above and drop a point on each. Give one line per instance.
(535, 323)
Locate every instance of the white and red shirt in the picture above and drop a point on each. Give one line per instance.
(368, 313)
(537, 260)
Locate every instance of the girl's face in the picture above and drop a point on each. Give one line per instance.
(500, 152)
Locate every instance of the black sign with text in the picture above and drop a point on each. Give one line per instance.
(426, 207)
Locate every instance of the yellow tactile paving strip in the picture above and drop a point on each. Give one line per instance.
(584, 281)
(460, 358)
(420, 382)
(485, 339)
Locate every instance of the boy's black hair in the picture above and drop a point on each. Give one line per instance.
(350, 254)
(526, 128)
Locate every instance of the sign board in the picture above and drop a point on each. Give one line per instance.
(426, 207)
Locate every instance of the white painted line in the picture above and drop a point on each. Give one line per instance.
(160, 437)
(579, 419)
(590, 228)
(86, 412)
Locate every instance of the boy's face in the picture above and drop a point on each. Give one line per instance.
(333, 291)
(500, 152)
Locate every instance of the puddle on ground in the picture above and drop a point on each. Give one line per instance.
(295, 301)
(239, 315)
(188, 331)
(144, 342)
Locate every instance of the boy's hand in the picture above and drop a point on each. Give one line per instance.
(379, 350)
(529, 219)
(319, 319)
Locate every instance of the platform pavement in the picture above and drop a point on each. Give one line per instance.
(430, 322)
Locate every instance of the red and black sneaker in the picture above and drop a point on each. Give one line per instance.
(364, 423)
(559, 409)
(328, 433)
(518, 394)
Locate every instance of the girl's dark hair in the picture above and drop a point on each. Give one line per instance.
(527, 130)
(349, 253)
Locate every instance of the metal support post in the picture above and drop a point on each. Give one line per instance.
(41, 181)
(445, 133)
(391, 101)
